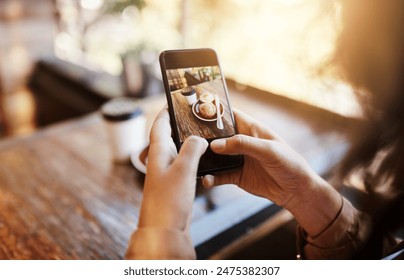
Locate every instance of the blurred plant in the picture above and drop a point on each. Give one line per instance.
(99, 31)
(118, 6)
(110, 7)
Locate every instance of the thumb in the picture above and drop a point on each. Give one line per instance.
(209, 181)
(190, 153)
(240, 144)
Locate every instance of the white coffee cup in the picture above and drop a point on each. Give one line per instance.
(190, 95)
(125, 124)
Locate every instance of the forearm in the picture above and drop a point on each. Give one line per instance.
(316, 206)
(160, 243)
(342, 239)
(330, 227)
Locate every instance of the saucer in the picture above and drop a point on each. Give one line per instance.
(139, 159)
(195, 111)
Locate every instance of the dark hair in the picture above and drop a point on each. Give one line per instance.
(370, 56)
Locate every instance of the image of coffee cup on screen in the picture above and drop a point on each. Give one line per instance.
(200, 104)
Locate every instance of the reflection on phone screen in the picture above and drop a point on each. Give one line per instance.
(200, 103)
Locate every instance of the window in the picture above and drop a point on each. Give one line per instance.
(273, 45)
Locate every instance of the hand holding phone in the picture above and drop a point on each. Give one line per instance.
(198, 103)
(173, 194)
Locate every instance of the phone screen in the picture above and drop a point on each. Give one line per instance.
(200, 103)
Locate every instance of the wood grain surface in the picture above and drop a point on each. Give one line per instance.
(188, 124)
(61, 197)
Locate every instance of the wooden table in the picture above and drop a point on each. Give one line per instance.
(61, 197)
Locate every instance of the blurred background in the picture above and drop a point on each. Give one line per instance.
(63, 58)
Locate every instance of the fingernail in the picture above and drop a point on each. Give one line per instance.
(218, 145)
(199, 140)
(205, 143)
(208, 181)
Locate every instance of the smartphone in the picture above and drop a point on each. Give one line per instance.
(198, 103)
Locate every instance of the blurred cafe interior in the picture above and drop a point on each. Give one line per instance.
(62, 195)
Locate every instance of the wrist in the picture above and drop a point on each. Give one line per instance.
(161, 217)
(162, 212)
(315, 206)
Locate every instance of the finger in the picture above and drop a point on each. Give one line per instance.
(240, 144)
(210, 181)
(249, 126)
(162, 149)
(161, 129)
(243, 117)
(191, 151)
